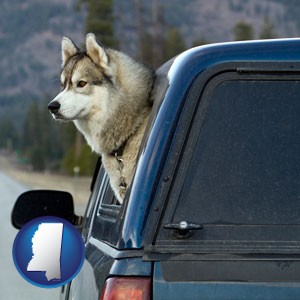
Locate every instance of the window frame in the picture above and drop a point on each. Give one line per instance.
(104, 222)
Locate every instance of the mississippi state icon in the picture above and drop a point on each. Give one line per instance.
(48, 252)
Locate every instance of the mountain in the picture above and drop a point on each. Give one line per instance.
(31, 31)
(30, 35)
(213, 20)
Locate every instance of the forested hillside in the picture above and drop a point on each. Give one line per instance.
(30, 32)
(150, 30)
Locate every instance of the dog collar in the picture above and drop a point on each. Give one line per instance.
(118, 155)
(119, 152)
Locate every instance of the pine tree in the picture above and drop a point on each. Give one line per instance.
(157, 36)
(242, 31)
(200, 42)
(8, 134)
(268, 31)
(32, 137)
(100, 20)
(174, 43)
(30, 133)
(41, 140)
(85, 161)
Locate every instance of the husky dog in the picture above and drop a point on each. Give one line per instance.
(106, 94)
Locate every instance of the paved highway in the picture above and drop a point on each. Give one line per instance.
(12, 285)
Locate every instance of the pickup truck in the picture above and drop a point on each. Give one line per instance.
(213, 211)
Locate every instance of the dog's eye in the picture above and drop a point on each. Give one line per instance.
(81, 84)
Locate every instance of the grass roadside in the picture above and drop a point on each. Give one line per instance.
(79, 187)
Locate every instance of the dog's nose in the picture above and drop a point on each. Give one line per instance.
(54, 107)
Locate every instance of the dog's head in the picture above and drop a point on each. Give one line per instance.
(85, 76)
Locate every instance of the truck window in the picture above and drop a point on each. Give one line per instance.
(242, 180)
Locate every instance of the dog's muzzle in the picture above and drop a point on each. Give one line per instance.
(54, 107)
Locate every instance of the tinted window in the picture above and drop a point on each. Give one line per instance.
(239, 174)
(246, 166)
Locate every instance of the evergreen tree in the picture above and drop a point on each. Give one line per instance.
(200, 42)
(30, 127)
(32, 137)
(146, 50)
(41, 140)
(86, 160)
(52, 139)
(150, 33)
(268, 31)
(100, 20)
(174, 43)
(157, 33)
(243, 31)
(8, 135)
(37, 158)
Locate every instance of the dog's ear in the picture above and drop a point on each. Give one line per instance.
(96, 52)
(68, 49)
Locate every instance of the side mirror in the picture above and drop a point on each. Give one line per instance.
(40, 203)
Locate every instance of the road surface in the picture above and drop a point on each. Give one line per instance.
(12, 285)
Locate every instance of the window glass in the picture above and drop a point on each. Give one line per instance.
(246, 165)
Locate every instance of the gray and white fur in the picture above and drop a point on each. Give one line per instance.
(106, 94)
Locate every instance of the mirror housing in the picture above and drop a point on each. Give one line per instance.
(40, 203)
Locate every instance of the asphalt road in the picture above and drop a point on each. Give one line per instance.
(12, 285)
